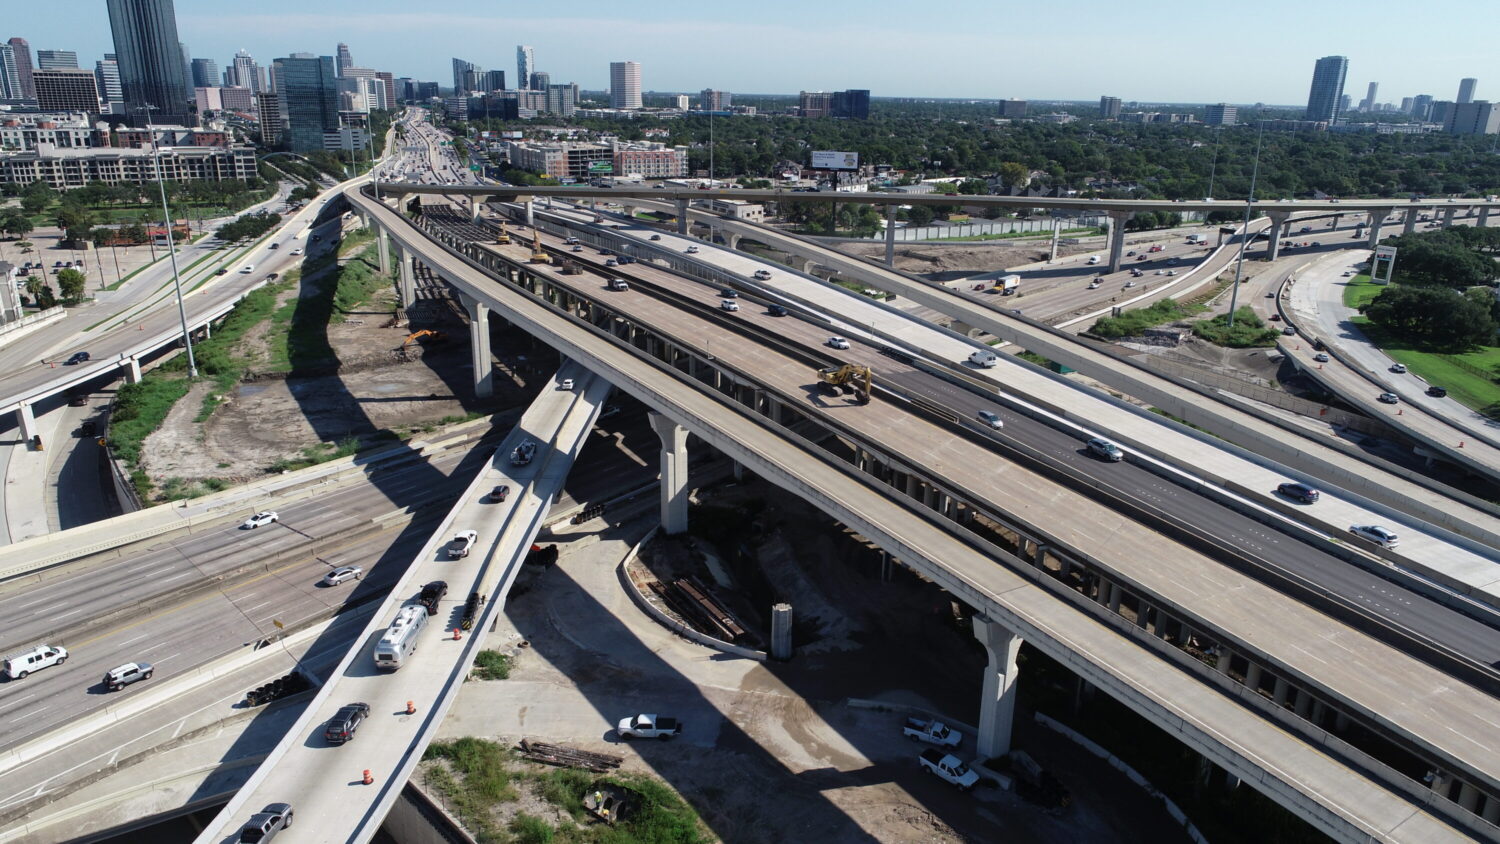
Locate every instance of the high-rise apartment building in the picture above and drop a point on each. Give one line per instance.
(1406, 104)
(150, 58)
(712, 100)
(309, 99)
(525, 66)
(205, 73)
(1477, 117)
(854, 103)
(540, 80)
(66, 89)
(1109, 108)
(1368, 103)
(562, 99)
(342, 59)
(1421, 106)
(244, 72)
(625, 84)
(1466, 88)
(268, 111)
(494, 80)
(56, 60)
(107, 75)
(23, 66)
(683, 102)
(10, 76)
(1013, 109)
(464, 77)
(1221, 114)
(388, 82)
(1325, 97)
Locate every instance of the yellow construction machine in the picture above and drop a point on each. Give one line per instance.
(537, 255)
(424, 334)
(849, 378)
(503, 236)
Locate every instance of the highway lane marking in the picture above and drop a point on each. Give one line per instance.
(134, 639)
(30, 714)
(256, 607)
(66, 614)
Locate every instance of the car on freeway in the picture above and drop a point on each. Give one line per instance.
(692, 250)
(297, 251)
(1398, 368)
(1105, 449)
(247, 269)
(1317, 243)
(565, 384)
(1274, 317)
(1171, 272)
(499, 493)
(611, 262)
(990, 418)
(121, 676)
(1304, 230)
(838, 342)
(763, 275)
(431, 594)
(1289, 331)
(344, 723)
(1348, 273)
(1298, 492)
(729, 305)
(77, 358)
(1389, 398)
(1129, 284)
(342, 574)
(522, 454)
(222, 271)
(1437, 392)
(1382, 536)
(461, 543)
(264, 517)
(656, 237)
(266, 824)
(1096, 284)
(1321, 357)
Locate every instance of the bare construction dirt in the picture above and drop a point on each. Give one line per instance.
(944, 261)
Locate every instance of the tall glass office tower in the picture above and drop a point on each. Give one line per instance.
(1327, 88)
(150, 59)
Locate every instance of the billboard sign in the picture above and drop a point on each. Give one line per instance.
(1383, 265)
(826, 159)
(601, 168)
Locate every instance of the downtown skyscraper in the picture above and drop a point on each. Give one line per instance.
(525, 66)
(625, 84)
(1327, 92)
(150, 59)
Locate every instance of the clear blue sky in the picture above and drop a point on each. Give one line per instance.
(1156, 51)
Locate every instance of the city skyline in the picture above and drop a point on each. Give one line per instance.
(686, 48)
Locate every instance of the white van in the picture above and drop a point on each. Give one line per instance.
(400, 639)
(1093, 259)
(984, 358)
(17, 666)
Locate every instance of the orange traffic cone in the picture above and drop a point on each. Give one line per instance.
(368, 779)
(411, 708)
(456, 635)
(1460, 443)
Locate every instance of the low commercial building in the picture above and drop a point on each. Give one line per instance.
(736, 209)
(65, 169)
(651, 161)
(561, 161)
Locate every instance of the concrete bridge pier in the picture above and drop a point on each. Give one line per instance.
(1117, 221)
(674, 473)
(1280, 222)
(408, 281)
(26, 421)
(1377, 217)
(682, 216)
(1448, 217)
(731, 239)
(385, 250)
(1410, 223)
(132, 368)
(890, 235)
(530, 213)
(1484, 217)
(479, 345)
(997, 708)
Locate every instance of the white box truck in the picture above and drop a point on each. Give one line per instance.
(1196, 239)
(1008, 284)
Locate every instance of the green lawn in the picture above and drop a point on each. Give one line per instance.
(1360, 290)
(1472, 378)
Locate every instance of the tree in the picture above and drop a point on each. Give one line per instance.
(17, 224)
(34, 287)
(1014, 175)
(1441, 258)
(1435, 317)
(72, 284)
(920, 215)
(33, 203)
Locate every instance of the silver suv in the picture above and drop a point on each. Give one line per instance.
(1105, 449)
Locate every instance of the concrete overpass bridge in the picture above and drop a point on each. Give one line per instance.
(1302, 765)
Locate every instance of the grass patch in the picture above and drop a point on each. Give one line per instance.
(1359, 290)
(1471, 378)
(1136, 320)
(492, 665)
(312, 455)
(139, 410)
(1249, 330)
(299, 334)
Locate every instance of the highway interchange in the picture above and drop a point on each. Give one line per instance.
(288, 591)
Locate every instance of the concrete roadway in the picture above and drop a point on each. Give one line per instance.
(1395, 603)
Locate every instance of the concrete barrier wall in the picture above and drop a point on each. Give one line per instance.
(1130, 773)
(667, 621)
(416, 818)
(27, 324)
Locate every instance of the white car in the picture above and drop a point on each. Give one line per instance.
(729, 305)
(692, 250)
(461, 542)
(1384, 537)
(1398, 368)
(763, 275)
(565, 384)
(838, 342)
(297, 251)
(263, 518)
(341, 574)
(247, 269)
(1096, 284)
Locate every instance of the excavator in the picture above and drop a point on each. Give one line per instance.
(849, 378)
(503, 236)
(424, 334)
(537, 255)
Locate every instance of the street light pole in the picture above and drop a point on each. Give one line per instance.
(1239, 266)
(187, 336)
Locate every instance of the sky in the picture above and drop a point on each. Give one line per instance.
(1161, 51)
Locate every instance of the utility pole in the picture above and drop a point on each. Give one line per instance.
(187, 336)
(1239, 266)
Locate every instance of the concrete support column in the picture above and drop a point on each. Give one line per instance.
(1279, 691)
(1491, 811)
(1304, 706)
(1278, 228)
(1117, 221)
(1484, 220)
(1410, 223)
(890, 235)
(997, 707)
(1114, 599)
(132, 369)
(682, 216)
(26, 421)
(530, 213)
(1468, 797)
(1252, 676)
(408, 280)
(479, 346)
(385, 251)
(806, 265)
(674, 473)
(1376, 218)
(732, 239)
(1448, 217)
(1226, 656)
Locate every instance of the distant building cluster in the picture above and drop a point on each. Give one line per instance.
(854, 104)
(580, 161)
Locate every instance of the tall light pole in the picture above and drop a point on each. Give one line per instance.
(1239, 266)
(370, 134)
(187, 336)
(1213, 167)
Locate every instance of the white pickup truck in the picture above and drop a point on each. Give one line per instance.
(932, 732)
(648, 726)
(948, 767)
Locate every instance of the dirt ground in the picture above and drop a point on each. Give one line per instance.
(943, 261)
(370, 395)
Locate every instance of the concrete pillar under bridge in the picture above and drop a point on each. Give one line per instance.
(1448, 217)
(682, 216)
(476, 204)
(1484, 220)
(998, 706)
(385, 250)
(1410, 223)
(479, 345)
(1377, 217)
(132, 369)
(1280, 223)
(408, 280)
(674, 473)
(890, 235)
(530, 213)
(26, 422)
(1117, 221)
